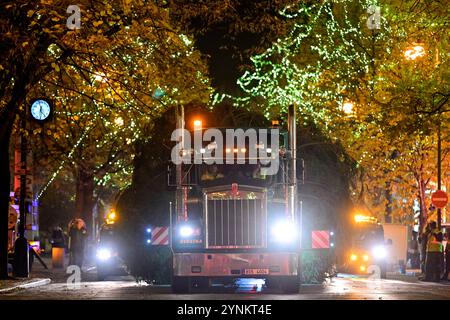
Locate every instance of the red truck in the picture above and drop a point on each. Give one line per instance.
(233, 220)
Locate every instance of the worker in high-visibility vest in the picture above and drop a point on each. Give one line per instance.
(435, 250)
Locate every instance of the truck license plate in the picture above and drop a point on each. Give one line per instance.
(256, 271)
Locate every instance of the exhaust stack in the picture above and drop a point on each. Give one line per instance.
(181, 193)
(292, 181)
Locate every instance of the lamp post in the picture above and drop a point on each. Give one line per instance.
(412, 53)
(439, 171)
(21, 252)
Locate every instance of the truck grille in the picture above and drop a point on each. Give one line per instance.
(236, 223)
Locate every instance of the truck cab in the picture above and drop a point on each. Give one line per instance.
(368, 251)
(108, 260)
(234, 220)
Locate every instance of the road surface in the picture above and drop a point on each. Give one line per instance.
(338, 288)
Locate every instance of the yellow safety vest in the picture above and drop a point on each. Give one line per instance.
(433, 245)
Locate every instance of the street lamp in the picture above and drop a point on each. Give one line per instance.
(439, 171)
(197, 124)
(414, 52)
(347, 107)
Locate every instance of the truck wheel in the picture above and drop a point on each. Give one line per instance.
(290, 285)
(199, 283)
(180, 284)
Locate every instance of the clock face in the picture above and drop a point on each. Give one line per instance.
(40, 110)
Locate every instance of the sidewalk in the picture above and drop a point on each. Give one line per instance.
(38, 276)
(60, 275)
(411, 275)
(22, 283)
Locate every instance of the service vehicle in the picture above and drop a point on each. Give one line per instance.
(368, 251)
(397, 235)
(233, 220)
(108, 260)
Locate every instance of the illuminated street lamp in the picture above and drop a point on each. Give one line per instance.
(111, 217)
(414, 52)
(197, 124)
(347, 107)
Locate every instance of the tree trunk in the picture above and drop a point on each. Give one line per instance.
(388, 208)
(84, 198)
(423, 214)
(6, 124)
(7, 117)
(25, 72)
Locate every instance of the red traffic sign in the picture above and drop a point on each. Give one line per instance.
(439, 199)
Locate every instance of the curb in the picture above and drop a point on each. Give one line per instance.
(28, 285)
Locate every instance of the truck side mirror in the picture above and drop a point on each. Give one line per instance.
(189, 175)
(171, 176)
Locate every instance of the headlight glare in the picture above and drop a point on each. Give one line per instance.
(103, 254)
(379, 252)
(186, 231)
(284, 231)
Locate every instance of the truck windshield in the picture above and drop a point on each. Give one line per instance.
(252, 174)
(367, 236)
(107, 234)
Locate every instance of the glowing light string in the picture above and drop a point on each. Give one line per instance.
(61, 166)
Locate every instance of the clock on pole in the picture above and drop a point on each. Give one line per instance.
(41, 110)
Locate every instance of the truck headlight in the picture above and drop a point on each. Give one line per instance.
(186, 231)
(380, 252)
(104, 254)
(284, 231)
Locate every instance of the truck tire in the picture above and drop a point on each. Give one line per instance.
(180, 284)
(199, 283)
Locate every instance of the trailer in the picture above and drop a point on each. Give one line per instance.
(396, 237)
(234, 220)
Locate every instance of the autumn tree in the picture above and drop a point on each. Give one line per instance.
(131, 45)
(230, 32)
(335, 59)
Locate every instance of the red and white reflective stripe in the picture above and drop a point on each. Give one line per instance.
(320, 239)
(160, 236)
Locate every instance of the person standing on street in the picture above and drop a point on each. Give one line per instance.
(447, 259)
(77, 240)
(413, 252)
(434, 254)
(423, 241)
